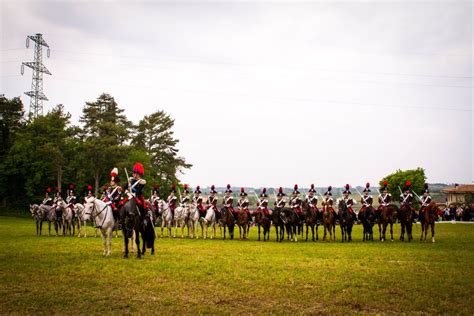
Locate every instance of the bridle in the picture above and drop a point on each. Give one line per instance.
(106, 209)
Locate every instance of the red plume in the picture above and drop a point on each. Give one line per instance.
(89, 187)
(408, 183)
(385, 182)
(228, 186)
(212, 187)
(426, 185)
(264, 190)
(242, 190)
(312, 186)
(173, 186)
(186, 186)
(347, 186)
(48, 189)
(367, 185)
(296, 187)
(104, 187)
(280, 190)
(198, 188)
(329, 188)
(138, 168)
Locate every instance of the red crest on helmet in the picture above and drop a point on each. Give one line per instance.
(347, 186)
(295, 187)
(138, 168)
(312, 186)
(367, 185)
(408, 183)
(280, 190)
(385, 182)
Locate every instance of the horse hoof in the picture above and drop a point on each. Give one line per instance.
(433, 240)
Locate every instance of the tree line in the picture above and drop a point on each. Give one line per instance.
(49, 151)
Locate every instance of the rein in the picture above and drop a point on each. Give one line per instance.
(97, 214)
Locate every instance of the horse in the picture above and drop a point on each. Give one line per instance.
(262, 221)
(34, 210)
(405, 216)
(166, 216)
(329, 223)
(311, 215)
(279, 225)
(290, 219)
(388, 217)
(428, 218)
(134, 221)
(180, 214)
(346, 221)
(243, 223)
(228, 221)
(193, 219)
(48, 213)
(68, 221)
(367, 217)
(209, 220)
(101, 214)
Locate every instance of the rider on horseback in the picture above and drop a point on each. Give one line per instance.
(425, 201)
(47, 199)
(137, 186)
(172, 200)
(185, 198)
(329, 201)
(385, 199)
(311, 199)
(243, 203)
(262, 203)
(155, 198)
(229, 201)
(90, 191)
(366, 200)
(58, 199)
(212, 200)
(113, 195)
(197, 199)
(280, 202)
(295, 203)
(71, 199)
(349, 202)
(406, 199)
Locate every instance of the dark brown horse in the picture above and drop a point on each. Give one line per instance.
(388, 217)
(279, 224)
(346, 221)
(428, 218)
(311, 216)
(243, 223)
(406, 222)
(132, 220)
(329, 223)
(264, 222)
(228, 221)
(367, 217)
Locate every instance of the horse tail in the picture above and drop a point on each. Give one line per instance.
(149, 235)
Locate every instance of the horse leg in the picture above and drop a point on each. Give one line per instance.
(312, 233)
(391, 231)
(125, 241)
(402, 233)
(432, 232)
(258, 225)
(137, 242)
(104, 240)
(380, 231)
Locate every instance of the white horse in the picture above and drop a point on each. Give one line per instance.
(208, 221)
(166, 217)
(48, 213)
(193, 219)
(180, 214)
(101, 214)
(68, 221)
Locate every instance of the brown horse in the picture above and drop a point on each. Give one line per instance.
(367, 217)
(346, 221)
(428, 218)
(243, 223)
(329, 223)
(228, 221)
(406, 222)
(262, 221)
(388, 217)
(311, 216)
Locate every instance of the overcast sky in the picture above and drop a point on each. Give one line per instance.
(268, 94)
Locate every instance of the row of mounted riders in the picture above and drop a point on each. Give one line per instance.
(291, 219)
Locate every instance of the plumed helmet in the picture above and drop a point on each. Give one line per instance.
(328, 192)
(113, 173)
(407, 185)
(426, 190)
(280, 192)
(295, 189)
(347, 191)
(264, 193)
(90, 189)
(173, 188)
(138, 168)
(312, 188)
(186, 188)
(385, 185)
(228, 189)
(242, 192)
(198, 189)
(156, 189)
(367, 187)
(213, 189)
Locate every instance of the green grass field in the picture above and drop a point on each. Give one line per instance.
(69, 275)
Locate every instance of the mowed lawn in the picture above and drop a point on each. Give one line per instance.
(70, 275)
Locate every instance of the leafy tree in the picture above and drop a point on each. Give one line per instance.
(105, 131)
(397, 180)
(154, 135)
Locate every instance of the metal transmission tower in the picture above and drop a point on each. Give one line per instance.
(36, 94)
